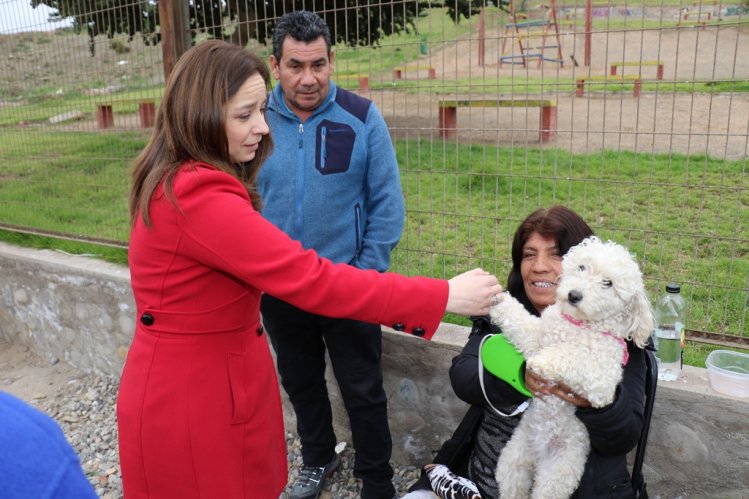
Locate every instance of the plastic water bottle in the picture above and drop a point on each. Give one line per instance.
(670, 317)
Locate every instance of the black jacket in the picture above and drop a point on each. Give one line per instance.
(614, 430)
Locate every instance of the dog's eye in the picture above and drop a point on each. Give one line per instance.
(581, 268)
(606, 283)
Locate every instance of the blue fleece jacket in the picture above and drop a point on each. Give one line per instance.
(36, 460)
(332, 182)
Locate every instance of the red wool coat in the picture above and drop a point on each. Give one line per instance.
(199, 412)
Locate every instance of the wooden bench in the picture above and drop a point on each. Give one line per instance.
(697, 15)
(431, 73)
(362, 79)
(146, 111)
(580, 82)
(640, 64)
(448, 118)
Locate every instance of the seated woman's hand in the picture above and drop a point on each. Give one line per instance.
(541, 387)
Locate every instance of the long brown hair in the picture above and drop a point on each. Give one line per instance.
(558, 222)
(190, 123)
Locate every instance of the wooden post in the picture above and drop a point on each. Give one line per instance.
(147, 112)
(588, 30)
(579, 88)
(548, 123)
(482, 36)
(447, 121)
(104, 116)
(364, 83)
(174, 17)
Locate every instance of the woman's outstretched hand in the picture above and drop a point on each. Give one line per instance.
(472, 293)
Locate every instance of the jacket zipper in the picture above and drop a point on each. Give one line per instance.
(299, 184)
(323, 151)
(357, 229)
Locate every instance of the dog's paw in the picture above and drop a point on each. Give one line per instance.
(500, 310)
(559, 361)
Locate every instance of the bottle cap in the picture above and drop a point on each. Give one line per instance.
(672, 287)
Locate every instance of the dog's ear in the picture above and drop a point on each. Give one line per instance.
(641, 319)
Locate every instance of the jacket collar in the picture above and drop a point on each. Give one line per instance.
(277, 103)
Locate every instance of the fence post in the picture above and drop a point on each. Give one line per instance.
(364, 83)
(482, 36)
(104, 116)
(175, 32)
(548, 129)
(147, 112)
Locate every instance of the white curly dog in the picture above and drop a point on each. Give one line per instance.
(579, 341)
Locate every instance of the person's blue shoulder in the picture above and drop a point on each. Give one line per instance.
(36, 459)
(357, 105)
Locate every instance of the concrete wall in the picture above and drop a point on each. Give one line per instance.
(81, 310)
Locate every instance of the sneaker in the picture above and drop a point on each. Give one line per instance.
(311, 480)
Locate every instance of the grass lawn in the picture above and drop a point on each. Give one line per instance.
(463, 202)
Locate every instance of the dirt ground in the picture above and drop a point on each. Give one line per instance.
(659, 121)
(27, 375)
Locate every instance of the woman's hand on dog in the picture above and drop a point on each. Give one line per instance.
(541, 387)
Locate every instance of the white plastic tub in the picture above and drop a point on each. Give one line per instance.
(729, 372)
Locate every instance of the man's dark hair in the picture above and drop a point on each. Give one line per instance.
(302, 26)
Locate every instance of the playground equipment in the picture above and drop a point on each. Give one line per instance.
(639, 65)
(399, 71)
(448, 116)
(607, 80)
(697, 15)
(146, 112)
(362, 79)
(536, 38)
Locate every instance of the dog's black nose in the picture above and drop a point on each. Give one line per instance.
(574, 296)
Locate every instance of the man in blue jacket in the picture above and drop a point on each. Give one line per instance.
(36, 460)
(333, 184)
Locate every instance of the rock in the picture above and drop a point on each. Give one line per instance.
(69, 116)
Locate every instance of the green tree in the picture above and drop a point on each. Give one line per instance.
(110, 17)
(354, 22)
(467, 8)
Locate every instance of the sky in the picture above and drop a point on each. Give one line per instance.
(18, 15)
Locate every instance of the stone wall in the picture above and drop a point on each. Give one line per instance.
(81, 310)
(70, 308)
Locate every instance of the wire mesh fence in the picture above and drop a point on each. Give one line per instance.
(635, 115)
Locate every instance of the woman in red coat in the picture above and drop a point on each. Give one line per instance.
(199, 412)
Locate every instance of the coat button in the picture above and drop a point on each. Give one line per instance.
(146, 319)
(260, 330)
(399, 326)
(419, 331)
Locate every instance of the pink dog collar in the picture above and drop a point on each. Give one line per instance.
(581, 324)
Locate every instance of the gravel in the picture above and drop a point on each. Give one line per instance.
(85, 409)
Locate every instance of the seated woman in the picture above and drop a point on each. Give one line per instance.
(469, 457)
